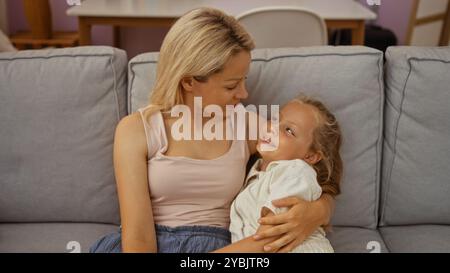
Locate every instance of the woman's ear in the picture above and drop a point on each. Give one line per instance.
(188, 83)
(313, 157)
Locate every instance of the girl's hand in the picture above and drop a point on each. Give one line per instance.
(297, 224)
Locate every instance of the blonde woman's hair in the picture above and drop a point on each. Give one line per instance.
(197, 45)
(327, 141)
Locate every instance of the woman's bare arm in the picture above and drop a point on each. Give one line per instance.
(284, 232)
(297, 224)
(130, 167)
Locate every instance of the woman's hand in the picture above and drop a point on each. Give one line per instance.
(297, 224)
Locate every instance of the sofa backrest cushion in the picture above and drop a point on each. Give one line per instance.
(347, 79)
(416, 156)
(58, 113)
(141, 76)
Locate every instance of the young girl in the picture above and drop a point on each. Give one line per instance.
(303, 161)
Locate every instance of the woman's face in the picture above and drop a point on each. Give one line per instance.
(226, 87)
(295, 134)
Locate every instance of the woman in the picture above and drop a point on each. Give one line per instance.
(175, 195)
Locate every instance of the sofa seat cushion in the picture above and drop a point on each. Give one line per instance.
(418, 238)
(50, 237)
(356, 240)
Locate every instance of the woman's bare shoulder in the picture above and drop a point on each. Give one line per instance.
(131, 123)
(131, 130)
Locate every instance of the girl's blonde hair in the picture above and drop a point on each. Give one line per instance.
(197, 45)
(327, 141)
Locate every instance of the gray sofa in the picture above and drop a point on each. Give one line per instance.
(59, 109)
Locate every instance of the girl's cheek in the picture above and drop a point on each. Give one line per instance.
(283, 140)
(294, 144)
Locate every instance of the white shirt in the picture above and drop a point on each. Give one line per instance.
(281, 179)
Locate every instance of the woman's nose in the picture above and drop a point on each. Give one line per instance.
(242, 93)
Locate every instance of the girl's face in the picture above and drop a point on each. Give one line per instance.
(295, 134)
(226, 87)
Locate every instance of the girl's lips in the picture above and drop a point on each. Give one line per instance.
(267, 142)
(267, 145)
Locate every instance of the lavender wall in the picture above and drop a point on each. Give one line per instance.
(393, 14)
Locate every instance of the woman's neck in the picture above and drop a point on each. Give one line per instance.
(197, 111)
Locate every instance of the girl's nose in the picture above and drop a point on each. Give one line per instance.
(274, 129)
(271, 133)
(274, 125)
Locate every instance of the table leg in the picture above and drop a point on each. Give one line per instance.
(116, 36)
(445, 34)
(20, 46)
(358, 33)
(36, 46)
(84, 29)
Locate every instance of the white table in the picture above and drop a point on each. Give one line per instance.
(338, 14)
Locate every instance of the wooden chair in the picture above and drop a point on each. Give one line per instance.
(424, 29)
(39, 17)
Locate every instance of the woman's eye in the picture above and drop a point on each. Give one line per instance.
(231, 88)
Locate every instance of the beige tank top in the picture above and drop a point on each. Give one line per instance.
(186, 191)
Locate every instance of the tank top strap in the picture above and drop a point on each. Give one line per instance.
(154, 132)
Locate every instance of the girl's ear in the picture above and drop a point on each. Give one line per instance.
(313, 157)
(187, 83)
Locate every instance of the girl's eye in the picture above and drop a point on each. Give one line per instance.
(290, 131)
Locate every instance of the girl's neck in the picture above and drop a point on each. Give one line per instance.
(263, 165)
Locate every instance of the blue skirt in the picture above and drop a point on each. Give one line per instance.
(183, 239)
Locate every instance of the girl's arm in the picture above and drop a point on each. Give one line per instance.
(130, 167)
